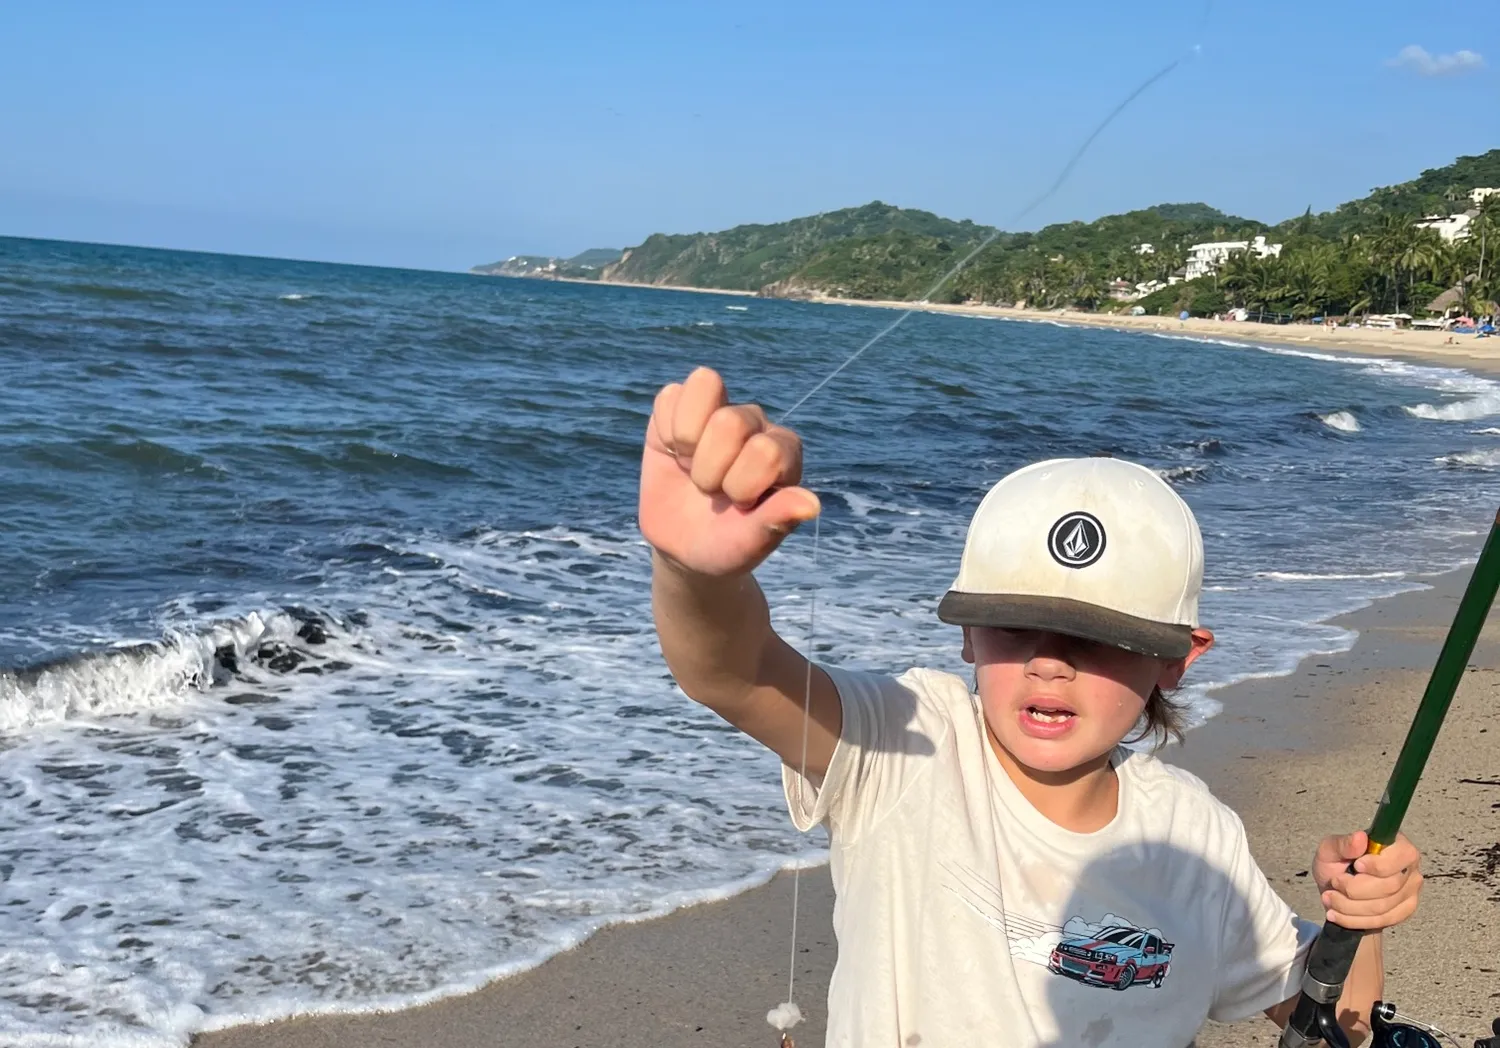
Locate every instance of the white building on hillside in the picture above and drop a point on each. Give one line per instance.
(1146, 249)
(1449, 227)
(1204, 259)
(1480, 195)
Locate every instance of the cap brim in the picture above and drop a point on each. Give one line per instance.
(1072, 618)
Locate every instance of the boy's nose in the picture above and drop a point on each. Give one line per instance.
(1053, 654)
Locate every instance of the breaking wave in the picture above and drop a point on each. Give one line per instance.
(157, 674)
(1182, 474)
(1304, 576)
(1460, 410)
(1343, 421)
(1483, 460)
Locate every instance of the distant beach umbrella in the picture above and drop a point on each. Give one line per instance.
(1183, 315)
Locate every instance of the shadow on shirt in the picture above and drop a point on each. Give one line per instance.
(1156, 940)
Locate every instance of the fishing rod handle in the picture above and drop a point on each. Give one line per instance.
(1328, 964)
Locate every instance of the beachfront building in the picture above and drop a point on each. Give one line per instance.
(1449, 227)
(1204, 259)
(1122, 291)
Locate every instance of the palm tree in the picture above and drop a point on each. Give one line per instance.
(1169, 259)
(1396, 246)
(1268, 286)
(1311, 279)
(1486, 293)
(1486, 227)
(1420, 252)
(1088, 291)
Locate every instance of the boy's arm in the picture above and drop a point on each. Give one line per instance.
(1364, 985)
(718, 494)
(716, 635)
(1380, 892)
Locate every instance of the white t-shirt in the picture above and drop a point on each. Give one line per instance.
(965, 917)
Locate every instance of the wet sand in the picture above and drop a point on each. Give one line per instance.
(1465, 351)
(1297, 756)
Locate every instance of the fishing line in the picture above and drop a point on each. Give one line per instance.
(995, 234)
(786, 1015)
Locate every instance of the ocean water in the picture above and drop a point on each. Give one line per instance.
(329, 680)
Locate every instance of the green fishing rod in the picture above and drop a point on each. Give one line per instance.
(1314, 1021)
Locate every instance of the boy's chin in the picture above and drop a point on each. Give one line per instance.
(1052, 756)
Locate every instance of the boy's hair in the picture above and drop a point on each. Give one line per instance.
(1162, 720)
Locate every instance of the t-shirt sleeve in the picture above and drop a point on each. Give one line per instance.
(1264, 945)
(890, 731)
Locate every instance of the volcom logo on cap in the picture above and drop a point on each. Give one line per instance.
(1077, 540)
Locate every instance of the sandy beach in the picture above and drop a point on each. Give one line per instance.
(1466, 351)
(1297, 756)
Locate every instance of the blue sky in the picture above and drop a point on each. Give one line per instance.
(446, 134)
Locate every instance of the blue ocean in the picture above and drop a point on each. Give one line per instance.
(327, 675)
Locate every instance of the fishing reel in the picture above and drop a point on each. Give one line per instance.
(1394, 1030)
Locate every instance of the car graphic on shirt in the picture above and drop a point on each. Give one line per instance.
(1117, 956)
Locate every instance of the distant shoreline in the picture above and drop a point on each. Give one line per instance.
(1467, 351)
(625, 283)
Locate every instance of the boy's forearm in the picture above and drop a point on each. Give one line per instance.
(713, 631)
(1364, 985)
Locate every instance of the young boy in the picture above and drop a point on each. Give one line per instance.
(1006, 872)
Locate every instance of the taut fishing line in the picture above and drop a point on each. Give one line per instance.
(787, 1014)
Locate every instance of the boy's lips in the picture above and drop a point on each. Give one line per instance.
(1047, 718)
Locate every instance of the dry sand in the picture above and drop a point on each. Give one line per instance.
(1467, 351)
(1297, 756)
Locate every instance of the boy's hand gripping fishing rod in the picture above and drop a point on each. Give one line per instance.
(1315, 1020)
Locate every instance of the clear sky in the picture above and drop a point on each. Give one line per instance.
(440, 135)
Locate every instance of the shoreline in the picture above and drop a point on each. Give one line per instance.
(1467, 351)
(649, 287)
(706, 974)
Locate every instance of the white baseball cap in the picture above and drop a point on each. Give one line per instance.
(1097, 548)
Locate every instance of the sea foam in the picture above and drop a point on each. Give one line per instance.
(1343, 421)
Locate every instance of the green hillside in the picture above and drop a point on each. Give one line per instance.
(594, 258)
(1439, 191)
(747, 258)
(903, 265)
(1365, 255)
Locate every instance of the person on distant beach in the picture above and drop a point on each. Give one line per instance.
(1004, 865)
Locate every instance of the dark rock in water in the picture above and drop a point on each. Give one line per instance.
(313, 633)
(279, 657)
(228, 658)
(251, 699)
(314, 630)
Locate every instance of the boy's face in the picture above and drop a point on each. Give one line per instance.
(1058, 704)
